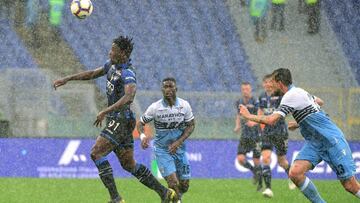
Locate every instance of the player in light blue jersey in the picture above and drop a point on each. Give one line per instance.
(174, 122)
(324, 141)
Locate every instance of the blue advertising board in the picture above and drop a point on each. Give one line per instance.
(70, 158)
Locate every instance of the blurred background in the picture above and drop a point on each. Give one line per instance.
(210, 47)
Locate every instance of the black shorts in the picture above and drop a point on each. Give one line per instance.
(249, 144)
(280, 142)
(119, 131)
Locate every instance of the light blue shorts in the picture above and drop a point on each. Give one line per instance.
(172, 163)
(339, 158)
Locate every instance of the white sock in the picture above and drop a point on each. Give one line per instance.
(358, 194)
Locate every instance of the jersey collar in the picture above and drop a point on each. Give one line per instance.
(166, 104)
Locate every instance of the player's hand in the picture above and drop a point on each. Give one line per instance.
(237, 130)
(293, 125)
(244, 111)
(173, 147)
(99, 118)
(58, 83)
(144, 141)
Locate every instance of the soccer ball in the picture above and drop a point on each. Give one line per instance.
(81, 8)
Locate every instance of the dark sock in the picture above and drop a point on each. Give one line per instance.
(267, 175)
(106, 176)
(248, 166)
(146, 178)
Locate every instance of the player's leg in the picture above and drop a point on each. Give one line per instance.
(281, 146)
(243, 148)
(183, 173)
(125, 155)
(257, 163)
(142, 173)
(98, 154)
(266, 150)
(352, 185)
(340, 159)
(307, 159)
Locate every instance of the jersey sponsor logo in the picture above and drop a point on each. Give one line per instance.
(70, 155)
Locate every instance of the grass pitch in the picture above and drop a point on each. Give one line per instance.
(13, 190)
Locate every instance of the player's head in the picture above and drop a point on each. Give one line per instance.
(267, 83)
(121, 49)
(282, 78)
(246, 89)
(169, 88)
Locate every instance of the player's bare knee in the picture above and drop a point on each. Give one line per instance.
(128, 166)
(94, 155)
(241, 159)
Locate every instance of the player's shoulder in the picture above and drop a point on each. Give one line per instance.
(182, 102)
(130, 71)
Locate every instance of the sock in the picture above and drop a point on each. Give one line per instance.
(267, 176)
(106, 176)
(309, 190)
(358, 194)
(248, 166)
(258, 174)
(145, 177)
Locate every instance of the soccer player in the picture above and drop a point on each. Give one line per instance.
(120, 121)
(272, 135)
(249, 140)
(174, 123)
(323, 139)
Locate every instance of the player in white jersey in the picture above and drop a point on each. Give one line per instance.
(174, 122)
(324, 141)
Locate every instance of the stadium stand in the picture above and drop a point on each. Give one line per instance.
(345, 19)
(12, 51)
(204, 55)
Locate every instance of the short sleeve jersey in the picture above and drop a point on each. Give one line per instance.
(169, 121)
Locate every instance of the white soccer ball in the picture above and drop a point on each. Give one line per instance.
(81, 8)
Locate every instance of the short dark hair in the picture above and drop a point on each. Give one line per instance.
(283, 75)
(169, 79)
(267, 76)
(245, 83)
(125, 44)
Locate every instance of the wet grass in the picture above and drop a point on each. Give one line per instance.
(13, 190)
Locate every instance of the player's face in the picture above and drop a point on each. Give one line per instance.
(117, 55)
(169, 90)
(246, 91)
(268, 85)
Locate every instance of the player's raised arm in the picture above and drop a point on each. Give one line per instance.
(86, 75)
(269, 120)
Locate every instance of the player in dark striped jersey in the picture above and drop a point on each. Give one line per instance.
(324, 141)
(249, 140)
(272, 136)
(120, 121)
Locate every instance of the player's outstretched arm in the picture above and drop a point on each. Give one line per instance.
(269, 120)
(190, 126)
(86, 75)
(130, 90)
(293, 125)
(144, 139)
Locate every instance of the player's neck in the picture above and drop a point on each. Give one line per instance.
(170, 102)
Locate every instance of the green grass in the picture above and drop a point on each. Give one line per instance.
(14, 190)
